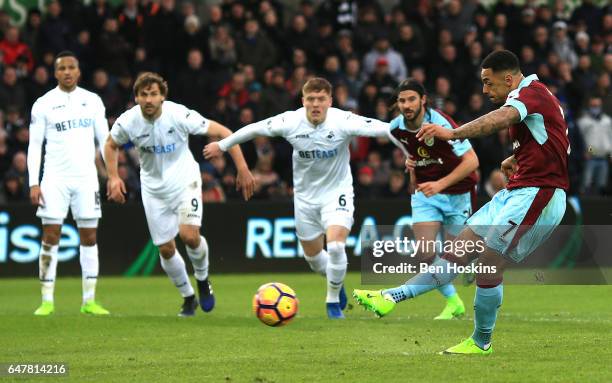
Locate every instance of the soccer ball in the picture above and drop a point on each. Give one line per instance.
(275, 304)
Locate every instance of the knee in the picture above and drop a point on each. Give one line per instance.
(337, 252)
(426, 256)
(167, 250)
(191, 238)
(88, 238)
(51, 238)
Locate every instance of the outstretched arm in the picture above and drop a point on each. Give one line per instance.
(482, 126)
(244, 179)
(247, 133)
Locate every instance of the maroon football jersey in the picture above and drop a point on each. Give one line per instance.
(539, 141)
(435, 158)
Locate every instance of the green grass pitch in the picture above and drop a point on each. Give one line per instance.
(544, 333)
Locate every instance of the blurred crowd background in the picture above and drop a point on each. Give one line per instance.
(239, 61)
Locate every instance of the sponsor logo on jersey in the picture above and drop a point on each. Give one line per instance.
(421, 151)
(74, 124)
(429, 161)
(159, 149)
(318, 154)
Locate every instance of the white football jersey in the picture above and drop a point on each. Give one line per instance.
(166, 163)
(69, 122)
(321, 156)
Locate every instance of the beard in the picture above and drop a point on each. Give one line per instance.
(415, 114)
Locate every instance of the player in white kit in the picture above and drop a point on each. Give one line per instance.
(171, 181)
(69, 119)
(323, 184)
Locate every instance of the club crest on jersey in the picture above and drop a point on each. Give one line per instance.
(429, 141)
(421, 151)
(330, 135)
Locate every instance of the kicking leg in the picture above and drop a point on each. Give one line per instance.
(382, 302)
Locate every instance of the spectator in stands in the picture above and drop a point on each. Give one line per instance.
(5, 155)
(194, 85)
(596, 128)
(411, 45)
(396, 187)
(384, 82)
(12, 92)
(382, 52)
(353, 77)
(31, 32)
(55, 31)
(112, 49)
(19, 170)
(562, 45)
(13, 49)
(365, 188)
(191, 36)
(255, 48)
(211, 189)
(275, 98)
(332, 71)
(345, 48)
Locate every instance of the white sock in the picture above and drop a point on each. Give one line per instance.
(47, 270)
(199, 259)
(176, 270)
(336, 270)
(90, 267)
(318, 263)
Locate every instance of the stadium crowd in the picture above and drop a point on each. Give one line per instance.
(244, 60)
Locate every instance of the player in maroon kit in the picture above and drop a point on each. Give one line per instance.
(445, 176)
(519, 218)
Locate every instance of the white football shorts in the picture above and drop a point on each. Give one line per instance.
(312, 220)
(82, 197)
(164, 215)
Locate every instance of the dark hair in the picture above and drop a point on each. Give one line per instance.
(410, 84)
(501, 61)
(146, 79)
(317, 84)
(65, 54)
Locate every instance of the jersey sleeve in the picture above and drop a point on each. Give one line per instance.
(356, 125)
(525, 100)
(118, 132)
(274, 126)
(37, 136)
(192, 122)
(100, 124)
